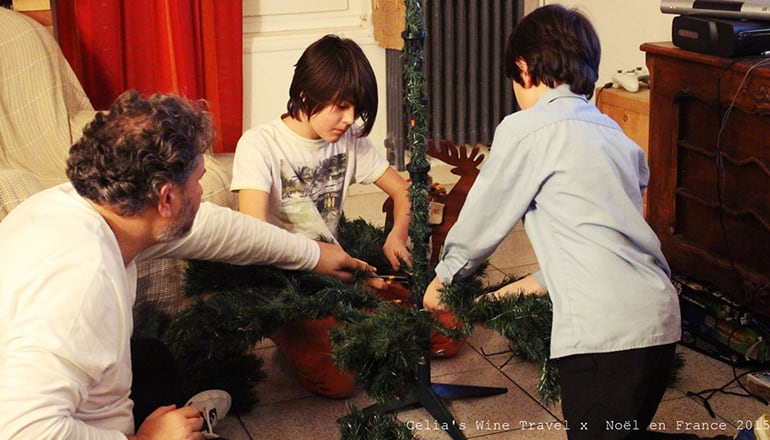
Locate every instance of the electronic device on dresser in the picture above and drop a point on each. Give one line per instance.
(719, 36)
(731, 9)
(727, 28)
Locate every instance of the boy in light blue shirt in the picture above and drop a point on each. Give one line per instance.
(576, 181)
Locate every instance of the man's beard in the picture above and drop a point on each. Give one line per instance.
(181, 226)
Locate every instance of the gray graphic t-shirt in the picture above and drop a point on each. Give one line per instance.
(307, 179)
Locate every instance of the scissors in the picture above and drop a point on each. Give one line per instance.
(395, 279)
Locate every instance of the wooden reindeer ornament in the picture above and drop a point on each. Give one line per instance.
(465, 161)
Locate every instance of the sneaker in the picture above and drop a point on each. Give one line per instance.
(213, 405)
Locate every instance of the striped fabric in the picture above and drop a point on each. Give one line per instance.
(15, 186)
(39, 95)
(43, 109)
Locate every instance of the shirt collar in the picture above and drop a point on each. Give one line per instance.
(558, 92)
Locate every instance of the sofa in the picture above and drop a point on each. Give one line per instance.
(43, 110)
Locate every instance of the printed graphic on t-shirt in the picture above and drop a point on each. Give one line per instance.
(313, 194)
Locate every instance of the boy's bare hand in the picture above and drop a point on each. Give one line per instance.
(432, 299)
(395, 251)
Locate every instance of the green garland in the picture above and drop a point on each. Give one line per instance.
(416, 139)
(238, 306)
(235, 307)
(383, 347)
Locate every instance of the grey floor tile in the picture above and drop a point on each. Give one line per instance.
(231, 428)
(494, 347)
(466, 360)
(702, 372)
(308, 418)
(368, 207)
(515, 250)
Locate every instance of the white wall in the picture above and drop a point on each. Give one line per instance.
(277, 31)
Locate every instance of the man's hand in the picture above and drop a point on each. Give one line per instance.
(432, 299)
(170, 423)
(334, 261)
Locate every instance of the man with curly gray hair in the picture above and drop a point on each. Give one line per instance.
(68, 269)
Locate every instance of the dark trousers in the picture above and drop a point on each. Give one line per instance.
(608, 396)
(157, 381)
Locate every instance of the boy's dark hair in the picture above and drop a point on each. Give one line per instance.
(126, 155)
(559, 45)
(332, 70)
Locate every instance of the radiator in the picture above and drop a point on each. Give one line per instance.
(467, 91)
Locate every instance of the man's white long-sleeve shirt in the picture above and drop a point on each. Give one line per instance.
(66, 308)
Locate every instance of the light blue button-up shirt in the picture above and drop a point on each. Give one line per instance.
(577, 181)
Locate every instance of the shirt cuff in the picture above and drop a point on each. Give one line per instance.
(453, 266)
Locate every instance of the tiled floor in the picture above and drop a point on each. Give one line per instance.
(287, 411)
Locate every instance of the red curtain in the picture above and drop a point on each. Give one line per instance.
(190, 47)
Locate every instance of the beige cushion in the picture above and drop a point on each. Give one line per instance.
(39, 95)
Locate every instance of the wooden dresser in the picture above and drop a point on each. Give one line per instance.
(709, 150)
